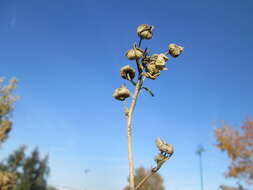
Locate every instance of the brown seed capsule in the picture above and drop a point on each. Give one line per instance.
(135, 53)
(121, 93)
(164, 147)
(127, 72)
(145, 31)
(160, 61)
(154, 64)
(160, 158)
(175, 50)
(151, 71)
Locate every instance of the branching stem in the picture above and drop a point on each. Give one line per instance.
(145, 88)
(138, 87)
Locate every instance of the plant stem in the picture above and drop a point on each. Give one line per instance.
(138, 87)
(153, 171)
(139, 44)
(129, 134)
(144, 180)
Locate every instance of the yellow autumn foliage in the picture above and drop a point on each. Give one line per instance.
(238, 144)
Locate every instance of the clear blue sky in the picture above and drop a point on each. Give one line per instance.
(67, 55)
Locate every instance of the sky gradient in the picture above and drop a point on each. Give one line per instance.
(67, 55)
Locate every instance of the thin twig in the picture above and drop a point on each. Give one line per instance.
(144, 180)
(149, 91)
(139, 66)
(152, 172)
(145, 88)
(126, 111)
(167, 52)
(128, 76)
(134, 83)
(139, 44)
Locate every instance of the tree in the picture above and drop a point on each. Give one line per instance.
(7, 179)
(51, 188)
(149, 67)
(225, 187)
(6, 105)
(238, 144)
(154, 183)
(31, 170)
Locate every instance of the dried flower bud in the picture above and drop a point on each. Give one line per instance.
(151, 71)
(127, 72)
(175, 50)
(5, 128)
(154, 64)
(160, 61)
(164, 147)
(135, 53)
(121, 93)
(145, 31)
(160, 158)
(8, 180)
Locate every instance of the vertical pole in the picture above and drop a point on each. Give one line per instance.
(201, 171)
(199, 152)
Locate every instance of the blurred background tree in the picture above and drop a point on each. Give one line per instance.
(31, 171)
(6, 105)
(238, 144)
(153, 183)
(7, 179)
(51, 188)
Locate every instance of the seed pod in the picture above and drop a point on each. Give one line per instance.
(145, 31)
(160, 158)
(175, 50)
(121, 93)
(127, 72)
(164, 147)
(135, 53)
(160, 61)
(151, 71)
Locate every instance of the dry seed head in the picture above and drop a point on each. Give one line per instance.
(160, 61)
(164, 147)
(175, 50)
(127, 72)
(160, 158)
(154, 64)
(121, 93)
(135, 53)
(145, 31)
(151, 71)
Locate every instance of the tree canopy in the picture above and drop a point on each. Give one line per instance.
(31, 170)
(6, 105)
(238, 144)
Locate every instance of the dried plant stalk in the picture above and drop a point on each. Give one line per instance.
(149, 66)
(129, 133)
